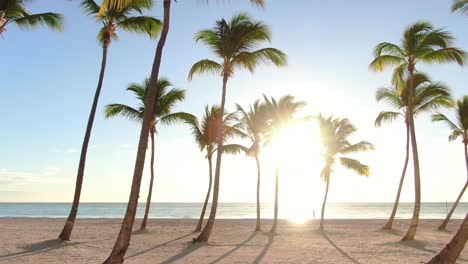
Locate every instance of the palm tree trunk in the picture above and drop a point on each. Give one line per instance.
(389, 224)
(123, 240)
(67, 229)
(322, 215)
(450, 253)
(258, 226)
(449, 215)
(200, 221)
(150, 191)
(275, 220)
(410, 234)
(206, 232)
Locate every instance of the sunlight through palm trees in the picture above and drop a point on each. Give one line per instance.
(422, 43)
(232, 41)
(429, 96)
(334, 133)
(112, 20)
(459, 130)
(165, 101)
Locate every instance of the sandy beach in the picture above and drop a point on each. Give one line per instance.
(33, 240)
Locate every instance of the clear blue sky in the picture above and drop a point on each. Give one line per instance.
(49, 79)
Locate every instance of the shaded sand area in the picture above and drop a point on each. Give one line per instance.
(169, 241)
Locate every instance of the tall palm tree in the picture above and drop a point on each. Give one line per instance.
(254, 122)
(233, 42)
(421, 43)
(123, 240)
(450, 253)
(428, 97)
(165, 101)
(14, 11)
(205, 133)
(334, 133)
(460, 6)
(281, 113)
(459, 130)
(112, 20)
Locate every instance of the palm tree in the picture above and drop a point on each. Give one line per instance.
(450, 253)
(459, 130)
(123, 240)
(334, 133)
(254, 122)
(111, 20)
(428, 97)
(460, 6)
(205, 134)
(233, 42)
(162, 113)
(14, 11)
(281, 113)
(421, 43)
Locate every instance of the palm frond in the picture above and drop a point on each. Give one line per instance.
(267, 56)
(386, 116)
(460, 6)
(52, 20)
(234, 149)
(352, 164)
(176, 118)
(141, 24)
(126, 111)
(384, 61)
(205, 66)
(358, 147)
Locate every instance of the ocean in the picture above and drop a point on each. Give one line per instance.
(230, 210)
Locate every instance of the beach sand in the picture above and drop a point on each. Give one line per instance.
(169, 241)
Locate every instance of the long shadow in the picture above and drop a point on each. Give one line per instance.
(158, 246)
(324, 234)
(265, 249)
(235, 248)
(186, 251)
(36, 248)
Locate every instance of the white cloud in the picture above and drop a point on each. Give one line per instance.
(9, 177)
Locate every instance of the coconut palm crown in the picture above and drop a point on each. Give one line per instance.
(233, 42)
(334, 133)
(429, 96)
(15, 12)
(459, 127)
(164, 103)
(123, 18)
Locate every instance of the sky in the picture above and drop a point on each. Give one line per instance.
(49, 79)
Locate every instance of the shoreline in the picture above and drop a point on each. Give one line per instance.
(25, 240)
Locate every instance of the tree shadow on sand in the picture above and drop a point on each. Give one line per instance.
(262, 254)
(183, 253)
(324, 234)
(235, 248)
(158, 246)
(37, 248)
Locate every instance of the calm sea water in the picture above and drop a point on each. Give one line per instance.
(228, 210)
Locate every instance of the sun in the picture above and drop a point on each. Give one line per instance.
(296, 149)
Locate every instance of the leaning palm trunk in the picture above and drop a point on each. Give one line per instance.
(449, 215)
(67, 229)
(205, 234)
(150, 191)
(389, 224)
(410, 234)
(275, 220)
(450, 253)
(258, 226)
(207, 198)
(123, 240)
(322, 214)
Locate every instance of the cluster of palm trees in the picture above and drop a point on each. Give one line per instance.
(235, 44)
